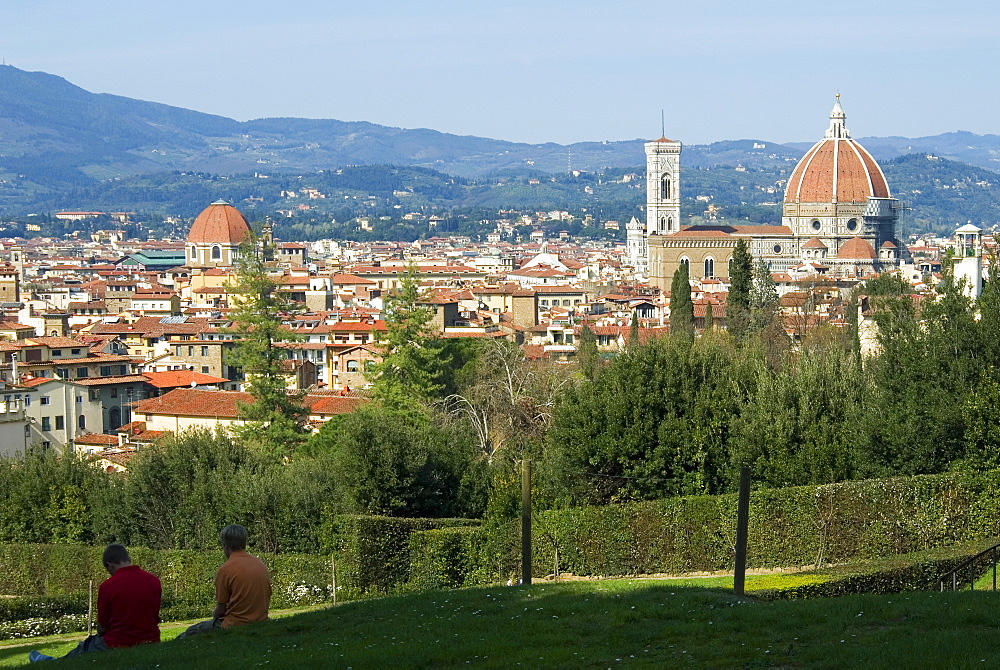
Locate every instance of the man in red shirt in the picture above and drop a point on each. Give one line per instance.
(128, 607)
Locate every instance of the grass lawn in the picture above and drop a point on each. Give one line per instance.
(599, 624)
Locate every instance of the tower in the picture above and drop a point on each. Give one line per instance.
(635, 245)
(663, 186)
(969, 259)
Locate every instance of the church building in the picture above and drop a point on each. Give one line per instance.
(215, 236)
(838, 214)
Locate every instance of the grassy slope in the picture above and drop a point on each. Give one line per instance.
(594, 624)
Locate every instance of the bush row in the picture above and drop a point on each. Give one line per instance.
(799, 526)
(56, 579)
(907, 572)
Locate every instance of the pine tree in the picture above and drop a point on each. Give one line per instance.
(275, 417)
(681, 305)
(709, 317)
(411, 365)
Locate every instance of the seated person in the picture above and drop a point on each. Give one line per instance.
(242, 586)
(128, 607)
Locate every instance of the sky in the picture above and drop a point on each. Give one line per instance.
(537, 70)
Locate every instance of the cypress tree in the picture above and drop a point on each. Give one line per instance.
(681, 305)
(740, 287)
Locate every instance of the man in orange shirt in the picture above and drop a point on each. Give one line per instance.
(242, 585)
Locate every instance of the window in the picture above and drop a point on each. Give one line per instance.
(60, 422)
(82, 372)
(105, 370)
(216, 253)
(46, 400)
(95, 394)
(79, 399)
(852, 225)
(566, 303)
(56, 352)
(63, 373)
(709, 267)
(122, 369)
(816, 225)
(114, 392)
(204, 369)
(686, 261)
(204, 350)
(665, 188)
(777, 248)
(76, 352)
(82, 422)
(190, 351)
(46, 423)
(352, 366)
(27, 401)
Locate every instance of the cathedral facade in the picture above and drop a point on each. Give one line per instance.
(838, 215)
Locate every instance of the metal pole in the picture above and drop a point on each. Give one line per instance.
(526, 521)
(742, 522)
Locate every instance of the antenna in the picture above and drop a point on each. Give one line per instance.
(663, 126)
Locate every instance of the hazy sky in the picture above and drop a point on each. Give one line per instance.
(537, 70)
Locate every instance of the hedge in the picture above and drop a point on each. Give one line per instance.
(53, 580)
(916, 571)
(799, 526)
(372, 553)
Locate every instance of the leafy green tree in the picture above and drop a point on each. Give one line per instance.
(398, 462)
(681, 305)
(411, 367)
(655, 423)
(275, 417)
(740, 286)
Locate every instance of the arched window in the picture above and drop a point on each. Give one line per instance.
(665, 188)
(709, 267)
(192, 252)
(82, 422)
(670, 223)
(663, 224)
(114, 418)
(216, 253)
(686, 261)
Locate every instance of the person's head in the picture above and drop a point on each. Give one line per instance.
(233, 538)
(115, 556)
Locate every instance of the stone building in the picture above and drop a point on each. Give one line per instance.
(837, 211)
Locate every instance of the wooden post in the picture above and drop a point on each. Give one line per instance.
(90, 608)
(526, 521)
(742, 522)
(333, 576)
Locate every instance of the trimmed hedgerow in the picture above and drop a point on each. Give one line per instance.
(444, 557)
(53, 580)
(798, 526)
(373, 553)
(915, 571)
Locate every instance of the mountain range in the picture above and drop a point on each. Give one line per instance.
(54, 131)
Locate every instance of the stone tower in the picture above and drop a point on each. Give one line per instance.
(663, 186)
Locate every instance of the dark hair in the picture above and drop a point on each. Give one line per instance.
(233, 537)
(116, 553)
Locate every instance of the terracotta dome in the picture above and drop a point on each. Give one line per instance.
(814, 243)
(219, 222)
(857, 249)
(836, 169)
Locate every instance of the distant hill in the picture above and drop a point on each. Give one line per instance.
(64, 147)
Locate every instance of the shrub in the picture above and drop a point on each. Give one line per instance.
(373, 553)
